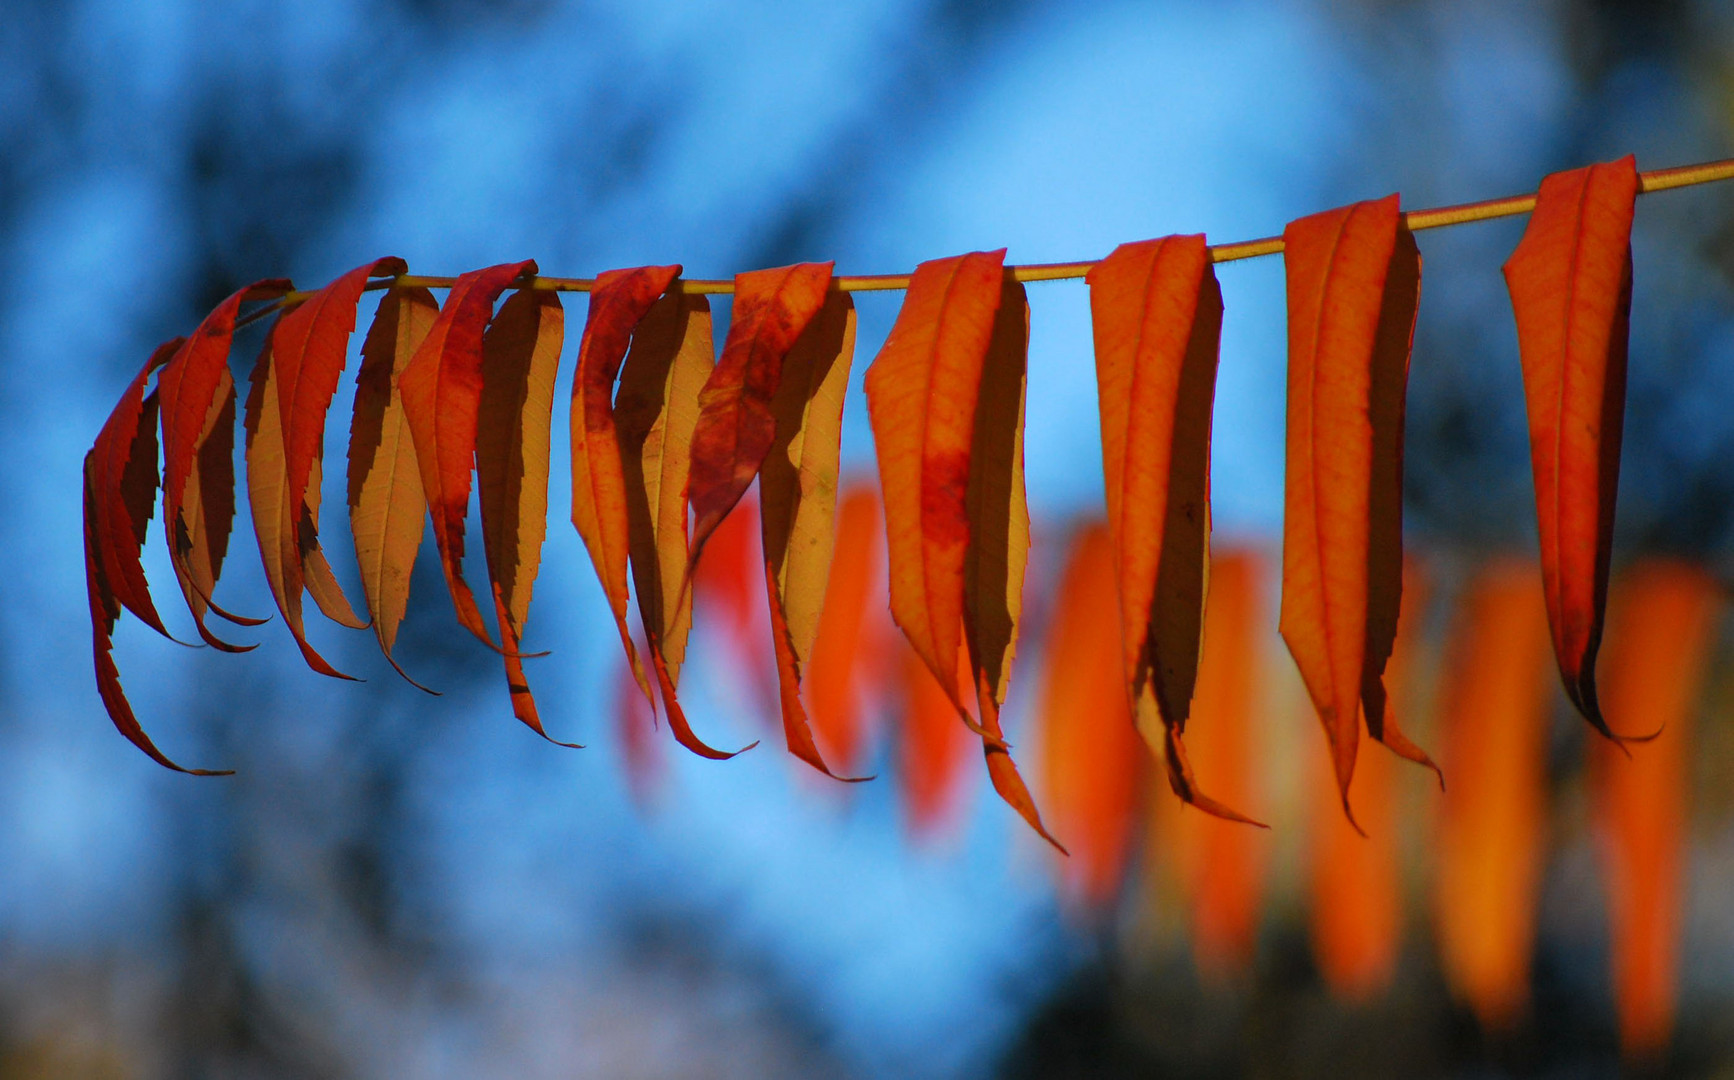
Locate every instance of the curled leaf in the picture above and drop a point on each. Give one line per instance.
(1354, 282)
(386, 505)
(277, 520)
(1156, 311)
(654, 414)
(521, 354)
(999, 540)
(618, 301)
(441, 390)
(1571, 291)
(921, 400)
(736, 424)
(798, 505)
(197, 391)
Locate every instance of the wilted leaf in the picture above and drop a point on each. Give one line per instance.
(196, 390)
(441, 391)
(1156, 310)
(521, 354)
(654, 413)
(798, 504)
(1571, 290)
(1354, 281)
(736, 425)
(921, 399)
(999, 540)
(386, 505)
(618, 301)
(277, 520)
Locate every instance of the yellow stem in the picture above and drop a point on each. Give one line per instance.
(1660, 180)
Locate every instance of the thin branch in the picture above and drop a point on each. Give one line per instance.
(1659, 180)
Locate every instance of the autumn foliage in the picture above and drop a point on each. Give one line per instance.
(668, 439)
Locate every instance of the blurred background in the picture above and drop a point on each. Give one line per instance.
(401, 885)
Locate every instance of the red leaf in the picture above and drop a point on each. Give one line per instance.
(735, 423)
(196, 388)
(834, 679)
(1571, 290)
(442, 391)
(123, 478)
(1354, 281)
(1156, 311)
(618, 301)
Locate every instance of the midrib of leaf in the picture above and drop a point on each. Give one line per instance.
(1312, 459)
(1126, 458)
(1554, 588)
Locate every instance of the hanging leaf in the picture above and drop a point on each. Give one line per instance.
(520, 356)
(1091, 754)
(197, 392)
(1357, 885)
(309, 345)
(276, 519)
(386, 504)
(1225, 864)
(1664, 623)
(618, 301)
(798, 504)
(654, 414)
(1491, 844)
(441, 390)
(122, 476)
(120, 484)
(727, 585)
(736, 424)
(835, 675)
(1571, 290)
(1156, 310)
(921, 400)
(1354, 281)
(999, 540)
(640, 755)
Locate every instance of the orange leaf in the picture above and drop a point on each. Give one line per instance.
(1664, 623)
(1493, 816)
(308, 347)
(386, 505)
(1354, 280)
(1223, 863)
(276, 520)
(798, 504)
(654, 414)
(196, 391)
(999, 540)
(123, 481)
(1156, 310)
(921, 400)
(1357, 888)
(441, 390)
(521, 354)
(735, 423)
(834, 677)
(730, 576)
(618, 301)
(1091, 753)
(640, 754)
(1571, 290)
